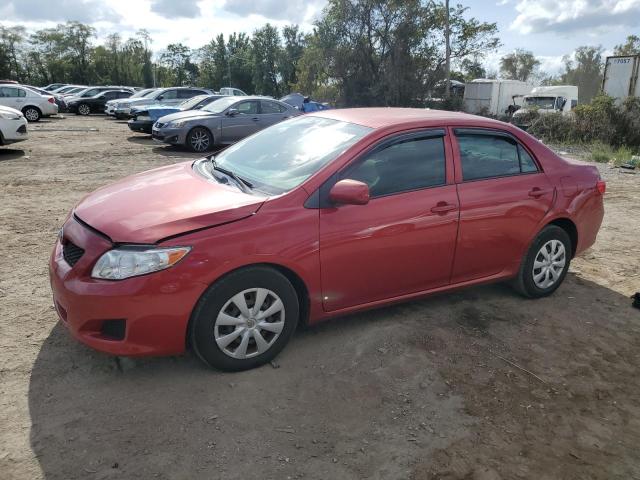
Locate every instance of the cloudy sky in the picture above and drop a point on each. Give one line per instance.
(550, 28)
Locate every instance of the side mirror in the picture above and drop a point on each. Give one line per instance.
(232, 112)
(349, 192)
(160, 97)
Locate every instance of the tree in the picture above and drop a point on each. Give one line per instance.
(77, 37)
(630, 47)
(472, 69)
(290, 55)
(177, 61)
(519, 65)
(377, 52)
(11, 43)
(240, 62)
(265, 46)
(214, 63)
(584, 70)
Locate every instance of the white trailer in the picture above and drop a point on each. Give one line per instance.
(621, 76)
(493, 97)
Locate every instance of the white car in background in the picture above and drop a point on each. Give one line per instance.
(13, 126)
(32, 104)
(110, 106)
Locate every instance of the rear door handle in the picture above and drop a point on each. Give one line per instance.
(443, 207)
(255, 119)
(536, 192)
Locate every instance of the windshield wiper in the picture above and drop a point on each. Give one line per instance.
(245, 185)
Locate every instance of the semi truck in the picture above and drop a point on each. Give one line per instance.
(494, 97)
(621, 77)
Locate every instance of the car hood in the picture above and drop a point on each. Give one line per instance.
(9, 110)
(163, 202)
(188, 115)
(156, 112)
(138, 101)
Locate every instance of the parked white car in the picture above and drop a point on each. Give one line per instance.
(13, 126)
(110, 106)
(33, 105)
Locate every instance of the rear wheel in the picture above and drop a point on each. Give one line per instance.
(199, 139)
(84, 109)
(546, 263)
(245, 319)
(32, 114)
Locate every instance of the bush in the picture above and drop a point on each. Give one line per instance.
(602, 121)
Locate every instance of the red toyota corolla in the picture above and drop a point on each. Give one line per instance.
(318, 216)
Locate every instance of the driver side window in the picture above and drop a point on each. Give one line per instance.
(407, 164)
(248, 108)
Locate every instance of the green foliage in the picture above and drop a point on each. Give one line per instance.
(519, 65)
(585, 72)
(630, 47)
(602, 122)
(361, 52)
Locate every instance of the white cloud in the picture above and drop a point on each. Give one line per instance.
(294, 11)
(61, 11)
(567, 16)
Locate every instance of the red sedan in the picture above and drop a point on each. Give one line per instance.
(318, 216)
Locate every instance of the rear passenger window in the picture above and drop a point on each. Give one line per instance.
(488, 156)
(187, 93)
(527, 164)
(169, 95)
(410, 164)
(270, 107)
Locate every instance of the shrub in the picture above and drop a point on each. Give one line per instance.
(602, 121)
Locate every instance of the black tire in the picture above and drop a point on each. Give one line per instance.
(524, 283)
(83, 109)
(32, 114)
(199, 139)
(210, 305)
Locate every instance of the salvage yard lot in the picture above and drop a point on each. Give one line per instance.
(479, 384)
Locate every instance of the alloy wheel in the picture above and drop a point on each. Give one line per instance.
(84, 109)
(199, 140)
(549, 264)
(249, 323)
(31, 114)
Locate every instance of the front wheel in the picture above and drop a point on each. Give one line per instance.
(199, 139)
(546, 263)
(245, 319)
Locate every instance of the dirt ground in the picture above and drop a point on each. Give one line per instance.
(480, 384)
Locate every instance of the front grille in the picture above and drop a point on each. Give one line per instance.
(22, 129)
(71, 253)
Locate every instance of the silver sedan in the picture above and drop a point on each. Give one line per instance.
(222, 122)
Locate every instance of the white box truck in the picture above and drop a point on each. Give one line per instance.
(621, 77)
(493, 97)
(550, 99)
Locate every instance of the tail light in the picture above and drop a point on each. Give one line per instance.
(51, 100)
(601, 186)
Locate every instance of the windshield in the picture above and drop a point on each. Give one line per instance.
(221, 105)
(283, 156)
(70, 89)
(192, 102)
(547, 103)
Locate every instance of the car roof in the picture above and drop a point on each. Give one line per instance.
(388, 116)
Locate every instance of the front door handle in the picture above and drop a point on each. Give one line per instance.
(536, 192)
(444, 207)
(255, 119)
